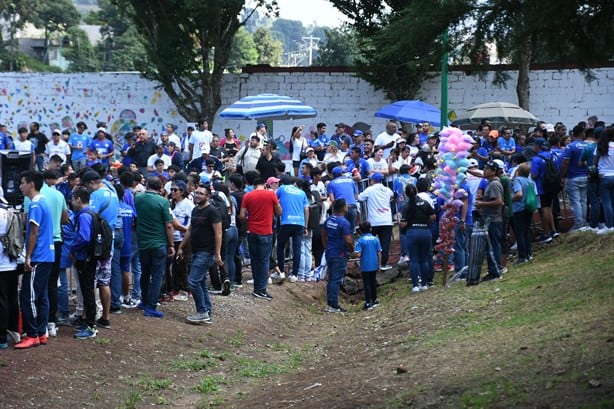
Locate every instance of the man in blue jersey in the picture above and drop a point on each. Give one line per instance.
(102, 147)
(343, 187)
(293, 223)
(39, 259)
(576, 178)
(79, 143)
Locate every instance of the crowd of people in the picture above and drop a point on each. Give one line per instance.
(187, 214)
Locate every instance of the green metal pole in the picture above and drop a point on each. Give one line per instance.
(444, 80)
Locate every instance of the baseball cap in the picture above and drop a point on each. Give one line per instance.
(492, 164)
(378, 177)
(101, 129)
(337, 171)
(89, 176)
(181, 185)
(541, 142)
(494, 133)
(272, 180)
(499, 163)
(333, 144)
(357, 133)
(56, 132)
(254, 136)
(473, 163)
(549, 128)
(261, 125)
(310, 149)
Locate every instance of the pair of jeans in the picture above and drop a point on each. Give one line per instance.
(351, 216)
(420, 249)
(232, 241)
(304, 270)
(63, 307)
(286, 232)
(153, 263)
(370, 285)
(495, 236)
(461, 255)
(116, 270)
(86, 270)
(260, 248)
(576, 189)
(336, 270)
(384, 234)
(594, 203)
(606, 193)
(522, 228)
(34, 299)
(135, 265)
(52, 285)
(197, 280)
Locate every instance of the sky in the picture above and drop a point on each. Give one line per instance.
(309, 11)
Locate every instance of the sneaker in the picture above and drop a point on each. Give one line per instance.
(301, 280)
(374, 304)
(605, 230)
(128, 303)
(544, 239)
(88, 332)
(52, 330)
(78, 322)
(278, 276)
(116, 310)
(140, 305)
(250, 281)
(503, 270)
(102, 323)
(269, 281)
(403, 259)
(28, 342)
(514, 247)
(491, 277)
(64, 319)
(43, 339)
(153, 313)
(262, 294)
(14, 335)
(334, 310)
(556, 234)
(386, 267)
(166, 297)
(415, 289)
(292, 278)
(423, 288)
(521, 261)
(181, 296)
(367, 307)
(80, 328)
(226, 287)
(237, 285)
(199, 318)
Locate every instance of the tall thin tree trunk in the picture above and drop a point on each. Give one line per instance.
(525, 56)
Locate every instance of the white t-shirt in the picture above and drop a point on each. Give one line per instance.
(183, 214)
(5, 262)
(384, 139)
(61, 149)
(23, 146)
(378, 199)
(606, 163)
(201, 141)
(153, 158)
(298, 145)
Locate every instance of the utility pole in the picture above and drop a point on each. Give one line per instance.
(313, 45)
(444, 81)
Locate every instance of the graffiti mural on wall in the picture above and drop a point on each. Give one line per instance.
(60, 101)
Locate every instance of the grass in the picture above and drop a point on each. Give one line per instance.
(204, 359)
(210, 384)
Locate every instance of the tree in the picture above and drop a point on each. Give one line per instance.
(55, 16)
(243, 52)
(401, 43)
(188, 44)
(340, 48)
(80, 52)
(15, 15)
(269, 49)
(289, 32)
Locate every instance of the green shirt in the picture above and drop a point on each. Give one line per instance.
(153, 212)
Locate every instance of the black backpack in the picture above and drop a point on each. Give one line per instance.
(220, 204)
(100, 246)
(551, 182)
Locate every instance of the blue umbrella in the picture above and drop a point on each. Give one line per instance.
(268, 106)
(414, 111)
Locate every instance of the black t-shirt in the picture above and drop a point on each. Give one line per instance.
(202, 237)
(267, 168)
(41, 141)
(422, 214)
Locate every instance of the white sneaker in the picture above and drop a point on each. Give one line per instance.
(605, 230)
(293, 278)
(423, 288)
(181, 296)
(250, 281)
(52, 330)
(386, 267)
(278, 276)
(403, 259)
(514, 247)
(14, 335)
(269, 281)
(416, 289)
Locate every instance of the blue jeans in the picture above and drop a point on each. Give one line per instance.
(294, 232)
(495, 235)
(116, 271)
(63, 306)
(336, 270)
(576, 189)
(153, 263)
(232, 241)
(351, 217)
(34, 299)
(461, 255)
(606, 193)
(197, 280)
(594, 203)
(420, 249)
(304, 270)
(135, 264)
(260, 248)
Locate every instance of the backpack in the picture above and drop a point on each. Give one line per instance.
(220, 204)
(315, 211)
(14, 239)
(100, 246)
(551, 182)
(530, 197)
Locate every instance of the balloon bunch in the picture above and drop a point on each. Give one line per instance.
(451, 172)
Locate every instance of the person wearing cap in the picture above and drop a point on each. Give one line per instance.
(487, 147)
(546, 193)
(79, 142)
(344, 187)
(200, 139)
(490, 207)
(575, 178)
(102, 146)
(339, 134)
(57, 146)
(210, 172)
(293, 225)
(267, 163)
(39, 140)
(357, 166)
(357, 140)
(379, 213)
(261, 130)
(247, 157)
(387, 139)
(272, 183)
(319, 140)
(333, 154)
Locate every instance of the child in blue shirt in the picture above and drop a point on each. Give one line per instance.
(369, 250)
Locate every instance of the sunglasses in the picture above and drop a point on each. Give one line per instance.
(174, 189)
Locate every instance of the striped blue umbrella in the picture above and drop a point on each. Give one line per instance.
(268, 106)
